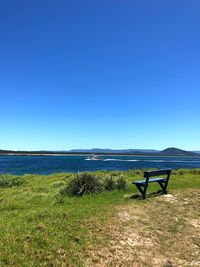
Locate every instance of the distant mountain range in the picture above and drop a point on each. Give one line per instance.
(115, 151)
(171, 151)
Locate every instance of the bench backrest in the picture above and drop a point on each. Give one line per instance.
(148, 174)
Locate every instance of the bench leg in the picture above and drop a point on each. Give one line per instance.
(163, 185)
(142, 191)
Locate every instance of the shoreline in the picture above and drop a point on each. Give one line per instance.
(140, 170)
(88, 154)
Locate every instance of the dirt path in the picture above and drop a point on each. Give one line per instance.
(161, 231)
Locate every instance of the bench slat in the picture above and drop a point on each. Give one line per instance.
(157, 172)
(150, 181)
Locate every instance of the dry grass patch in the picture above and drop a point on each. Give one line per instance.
(162, 231)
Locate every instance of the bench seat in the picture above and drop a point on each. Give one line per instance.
(150, 181)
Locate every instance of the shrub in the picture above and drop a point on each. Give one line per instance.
(89, 183)
(109, 183)
(121, 183)
(9, 182)
(112, 182)
(82, 184)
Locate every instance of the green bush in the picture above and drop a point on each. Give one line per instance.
(121, 183)
(109, 183)
(82, 184)
(9, 182)
(114, 182)
(89, 183)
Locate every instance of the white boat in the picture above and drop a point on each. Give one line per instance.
(93, 157)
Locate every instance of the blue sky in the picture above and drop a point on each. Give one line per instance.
(109, 74)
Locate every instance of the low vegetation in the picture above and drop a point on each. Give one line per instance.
(44, 223)
(7, 181)
(91, 183)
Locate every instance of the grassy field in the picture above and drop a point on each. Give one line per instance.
(40, 227)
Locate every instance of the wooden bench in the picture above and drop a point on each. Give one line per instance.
(162, 181)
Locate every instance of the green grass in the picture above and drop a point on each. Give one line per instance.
(40, 227)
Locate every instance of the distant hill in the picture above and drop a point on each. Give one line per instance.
(172, 151)
(115, 151)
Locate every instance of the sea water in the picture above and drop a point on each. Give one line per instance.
(53, 164)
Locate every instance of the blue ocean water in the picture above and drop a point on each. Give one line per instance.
(53, 164)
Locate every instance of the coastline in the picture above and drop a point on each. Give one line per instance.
(87, 154)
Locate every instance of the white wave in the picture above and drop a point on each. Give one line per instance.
(156, 160)
(145, 160)
(127, 160)
(94, 159)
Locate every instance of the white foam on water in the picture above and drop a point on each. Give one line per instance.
(156, 160)
(145, 160)
(127, 160)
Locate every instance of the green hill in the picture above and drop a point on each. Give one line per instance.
(172, 151)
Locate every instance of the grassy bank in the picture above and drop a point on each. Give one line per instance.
(41, 227)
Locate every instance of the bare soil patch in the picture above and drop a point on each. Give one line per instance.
(161, 231)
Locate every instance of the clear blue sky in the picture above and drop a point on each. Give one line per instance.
(108, 74)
